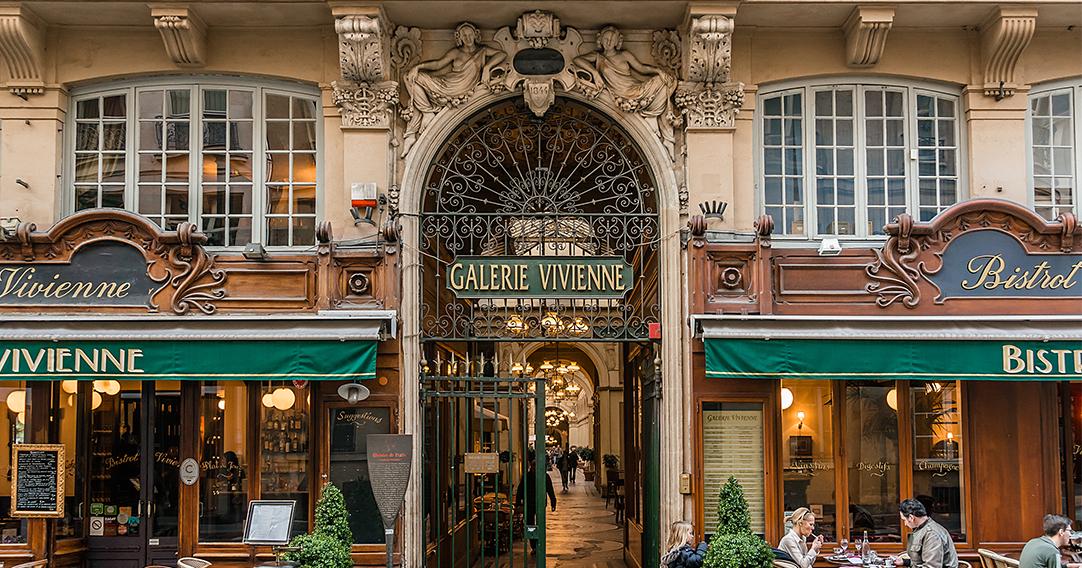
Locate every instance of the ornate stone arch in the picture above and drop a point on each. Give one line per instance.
(670, 281)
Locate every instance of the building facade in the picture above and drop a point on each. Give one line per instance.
(775, 240)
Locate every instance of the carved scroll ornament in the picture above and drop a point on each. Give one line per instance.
(176, 260)
(903, 270)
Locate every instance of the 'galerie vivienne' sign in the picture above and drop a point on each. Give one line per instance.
(540, 277)
(103, 274)
(992, 264)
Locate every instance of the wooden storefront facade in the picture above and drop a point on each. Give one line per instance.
(303, 323)
(856, 374)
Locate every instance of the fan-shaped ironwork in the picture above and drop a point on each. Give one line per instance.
(570, 184)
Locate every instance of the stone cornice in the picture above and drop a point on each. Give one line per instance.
(22, 49)
(183, 32)
(1004, 36)
(866, 34)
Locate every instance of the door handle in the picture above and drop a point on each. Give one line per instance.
(139, 509)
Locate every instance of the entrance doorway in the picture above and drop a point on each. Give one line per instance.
(135, 432)
(539, 236)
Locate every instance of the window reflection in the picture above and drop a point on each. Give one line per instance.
(223, 486)
(14, 402)
(936, 408)
(871, 434)
(808, 451)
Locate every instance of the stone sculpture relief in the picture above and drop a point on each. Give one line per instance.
(635, 86)
(540, 30)
(707, 97)
(448, 81)
(365, 95)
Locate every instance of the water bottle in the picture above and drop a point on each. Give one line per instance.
(865, 549)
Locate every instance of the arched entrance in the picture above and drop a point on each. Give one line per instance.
(531, 230)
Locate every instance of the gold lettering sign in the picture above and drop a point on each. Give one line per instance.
(103, 273)
(540, 277)
(1017, 360)
(64, 360)
(992, 272)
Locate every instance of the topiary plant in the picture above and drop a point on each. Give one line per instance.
(734, 545)
(610, 461)
(587, 454)
(329, 544)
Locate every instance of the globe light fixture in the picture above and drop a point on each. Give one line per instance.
(95, 400)
(892, 399)
(69, 386)
(112, 388)
(16, 401)
(786, 398)
(268, 400)
(283, 398)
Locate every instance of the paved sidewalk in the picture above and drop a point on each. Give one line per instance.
(582, 533)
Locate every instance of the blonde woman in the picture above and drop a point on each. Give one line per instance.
(795, 542)
(682, 552)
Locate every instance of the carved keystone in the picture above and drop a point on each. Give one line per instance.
(1004, 36)
(184, 34)
(22, 49)
(866, 35)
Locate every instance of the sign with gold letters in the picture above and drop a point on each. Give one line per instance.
(540, 277)
(105, 273)
(991, 264)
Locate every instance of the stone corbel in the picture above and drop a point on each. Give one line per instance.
(1004, 36)
(866, 34)
(707, 97)
(184, 34)
(366, 96)
(22, 49)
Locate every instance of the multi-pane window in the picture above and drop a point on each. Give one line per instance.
(1054, 149)
(239, 161)
(871, 153)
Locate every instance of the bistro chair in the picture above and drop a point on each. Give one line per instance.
(987, 558)
(965, 564)
(779, 563)
(996, 560)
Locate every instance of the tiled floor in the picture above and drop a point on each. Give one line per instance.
(582, 533)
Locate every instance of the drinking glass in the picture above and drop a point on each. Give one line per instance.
(845, 544)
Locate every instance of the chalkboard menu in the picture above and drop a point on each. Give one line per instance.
(37, 480)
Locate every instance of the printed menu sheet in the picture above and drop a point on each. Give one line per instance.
(733, 445)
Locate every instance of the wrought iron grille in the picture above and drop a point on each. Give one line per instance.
(570, 184)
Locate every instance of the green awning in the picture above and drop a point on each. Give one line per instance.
(908, 359)
(223, 360)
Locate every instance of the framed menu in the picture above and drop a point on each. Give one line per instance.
(269, 522)
(37, 481)
(733, 444)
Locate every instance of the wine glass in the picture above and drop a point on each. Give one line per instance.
(844, 542)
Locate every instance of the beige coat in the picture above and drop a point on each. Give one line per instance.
(794, 545)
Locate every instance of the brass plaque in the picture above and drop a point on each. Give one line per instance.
(482, 462)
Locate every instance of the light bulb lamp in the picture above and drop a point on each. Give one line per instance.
(800, 416)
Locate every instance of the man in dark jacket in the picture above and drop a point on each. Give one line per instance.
(572, 463)
(527, 489)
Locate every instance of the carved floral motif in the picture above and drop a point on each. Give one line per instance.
(914, 251)
(365, 104)
(707, 98)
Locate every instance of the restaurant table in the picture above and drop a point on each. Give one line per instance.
(855, 561)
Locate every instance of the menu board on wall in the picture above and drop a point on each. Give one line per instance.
(37, 481)
(733, 445)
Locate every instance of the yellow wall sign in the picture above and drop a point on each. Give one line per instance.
(540, 277)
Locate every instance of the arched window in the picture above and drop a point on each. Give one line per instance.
(240, 159)
(1054, 150)
(843, 159)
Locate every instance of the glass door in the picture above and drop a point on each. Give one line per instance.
(133, 476)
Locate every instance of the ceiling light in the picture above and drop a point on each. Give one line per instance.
(283, 398)
(786, 398)
(70, 387)
(16, 401)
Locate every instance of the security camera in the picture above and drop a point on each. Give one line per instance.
(830, 247)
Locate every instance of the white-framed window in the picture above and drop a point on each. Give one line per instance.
(240, 159)
(1054, 134)
(844, 159)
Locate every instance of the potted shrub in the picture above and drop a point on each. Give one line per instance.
(329, 543)
(587, 457)
(611, 461)
(733, 544)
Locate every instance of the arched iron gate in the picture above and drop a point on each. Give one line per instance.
(569, 186)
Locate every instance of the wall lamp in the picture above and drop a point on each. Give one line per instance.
(830, 247)
(364, 196)
(800, 416)
(255, 251)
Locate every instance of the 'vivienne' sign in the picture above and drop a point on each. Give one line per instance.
(540, 277)
(992, 264)
(101, 274)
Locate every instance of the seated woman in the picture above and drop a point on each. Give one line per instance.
(682, 551)
(795, 542)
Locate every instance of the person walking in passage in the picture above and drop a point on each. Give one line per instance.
(572, 463)
(930, 545)
(682, 551)
(1044, 551)
(795, 542)
(527, 490)
(561, 464)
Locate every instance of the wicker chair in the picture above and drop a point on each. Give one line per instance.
(995, 560)
(34, 564)
(779, 563)
(964, 564)
(189, 562)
